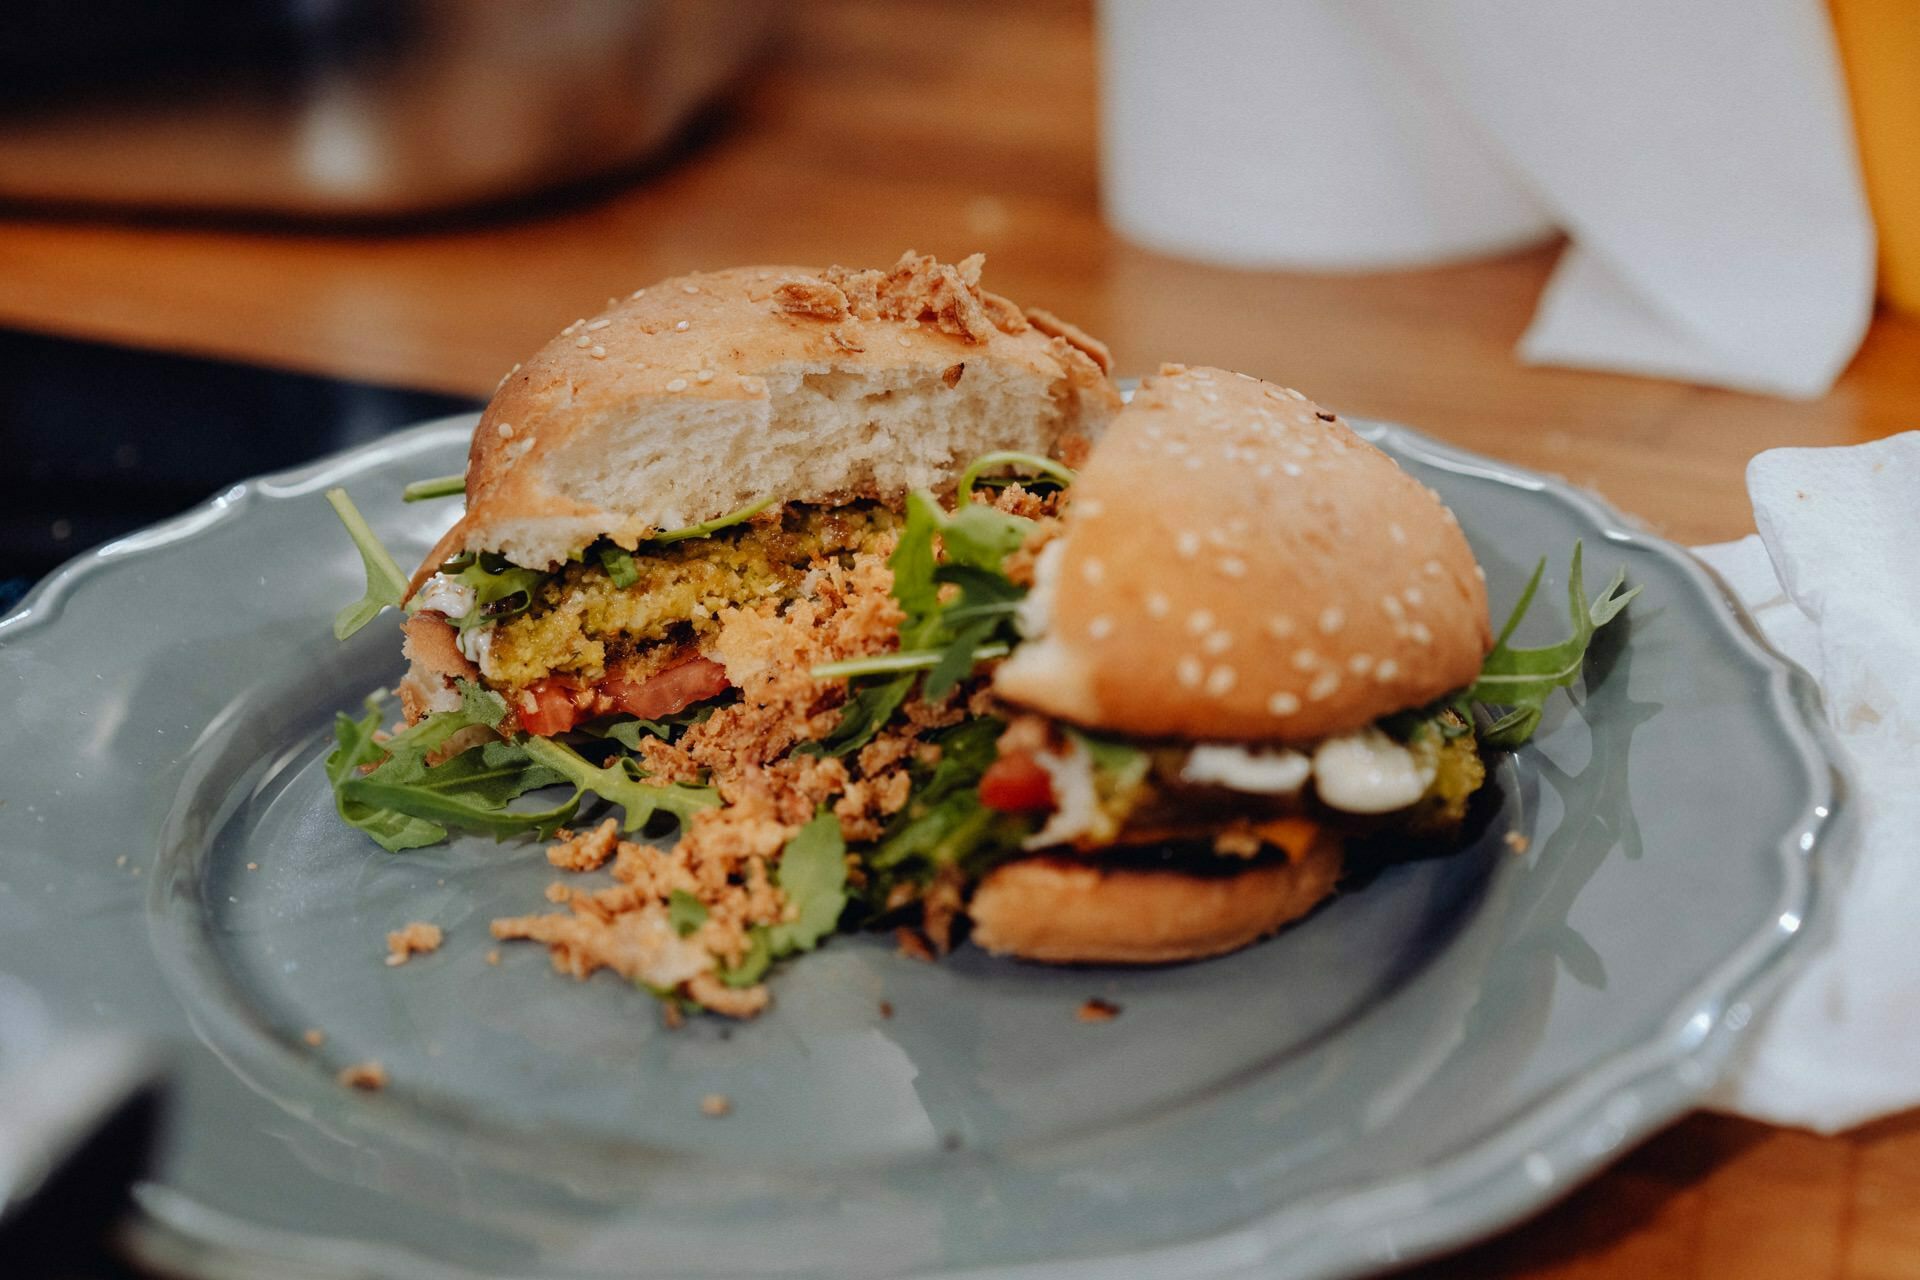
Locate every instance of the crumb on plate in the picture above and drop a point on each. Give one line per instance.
(415, 938)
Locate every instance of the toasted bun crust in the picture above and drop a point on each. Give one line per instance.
(704, 393)
(1238, 565)
(1074, 911)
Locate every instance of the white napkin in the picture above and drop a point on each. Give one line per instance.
(1833, 579)
(1699, 155)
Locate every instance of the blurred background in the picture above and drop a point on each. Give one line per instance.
(1623, 244)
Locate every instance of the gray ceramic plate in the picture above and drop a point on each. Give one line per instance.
(1423, 1061)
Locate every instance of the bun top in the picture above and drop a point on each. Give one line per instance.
(704, 393)
(1237, 564)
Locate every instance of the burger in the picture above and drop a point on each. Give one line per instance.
(807, 601)
(1244, 647)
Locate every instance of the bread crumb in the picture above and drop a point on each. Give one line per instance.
(363, 1075)
(253, 866)
(587, 851)
(493, 956)
(1517, 842)
(886, 1008)
(671, 1016)
(314, 1037)
(415, 938)
(912, 945)
(1098, 1010)
(716, 1105)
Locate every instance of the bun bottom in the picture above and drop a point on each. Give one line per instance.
(1073, 911)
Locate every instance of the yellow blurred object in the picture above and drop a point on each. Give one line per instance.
(1880, 44)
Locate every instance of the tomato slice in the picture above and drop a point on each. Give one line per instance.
(664, 692)
(1016, 784)
(552, 708)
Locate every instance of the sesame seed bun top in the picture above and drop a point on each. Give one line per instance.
(1238, 565)
(701, 394)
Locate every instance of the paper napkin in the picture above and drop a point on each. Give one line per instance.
(1833, 579)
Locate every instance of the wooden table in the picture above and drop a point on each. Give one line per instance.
(951, 127)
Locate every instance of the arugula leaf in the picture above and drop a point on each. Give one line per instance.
(628, 732)
(912, 561)
(944, 821)
(618, 562)
(983, 536)
(386, 585)
(812, 873)
(685, 912)
(754, 965)
(405, 803)
(864, 715)
(501, 588)
(621, 783)
(708, 528)
(1522, 679)
(438, 487)
(1029, 463)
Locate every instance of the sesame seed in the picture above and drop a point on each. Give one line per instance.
(1305, 659)
(1479, 573)
(1217, 642)
(1386, 671)
(1220, 680)
(689, 288)
(904, 340)
(583, 341)
(1360, 663)
(1283, 704)
(1194, 462)
(1211, 397)
(1091, 508)
(596, 325)
(1323, 686)
(1100, 628)
(1331, 619)
(1199, 622)
(1392, 606)
(1399, 535)
(1233, 566)
(705, 375)
(598, 353)
(638, 293)
(1292, 469)
(1420, 633)
(1412, 595)
(1176, 447)
(1158, 605)
(680, 326)
(1094, 571)
(678, 384)
(1279, 626)
(1433, 568)
(505, 429)
(1264, 470)
(1188, 672)
(1187, 543)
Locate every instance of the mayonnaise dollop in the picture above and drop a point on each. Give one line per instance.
(1368, 772)
(1279, 771)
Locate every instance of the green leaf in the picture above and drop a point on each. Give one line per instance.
(912, 561)
(983, 536)
(628, 732)
(386, 585)
(469, 791)
(1026, 464)
(944, 821)
(619, 565)
(621, 783)
(438, 487)
(812, 873)
(355, 747)
(753, 966)
(1522, 679)
(865, 714)
(500, 588)
(685, 912)
(710, 527)
(482, 705)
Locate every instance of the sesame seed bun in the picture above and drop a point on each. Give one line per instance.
(1075, 911)
(1238, 565)
(704, 393)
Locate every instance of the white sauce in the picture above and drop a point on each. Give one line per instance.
(477, 644)
(1077, 809)
(443, 595)
(1368, 772)
(1035, 615)
(1274, 772)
